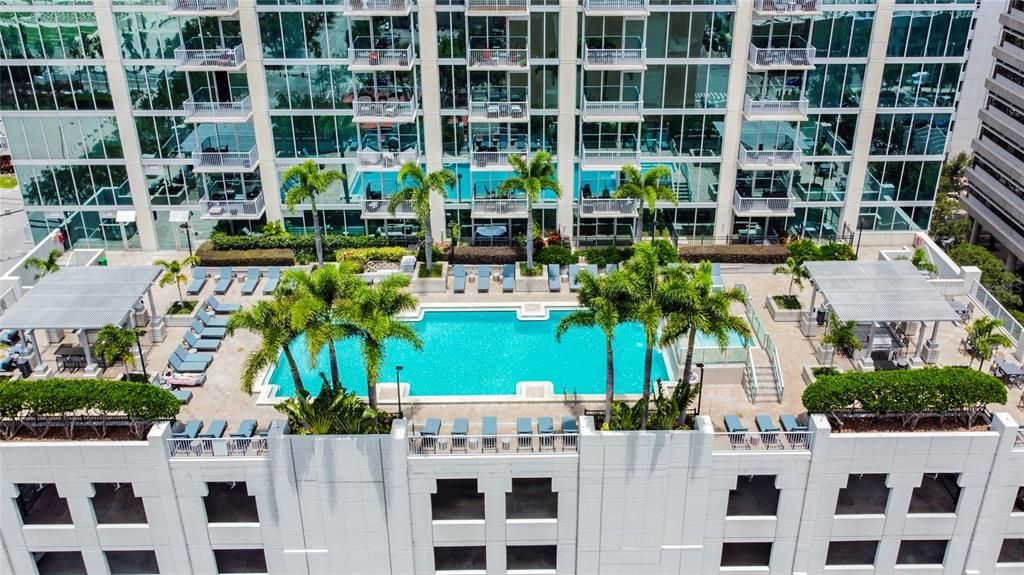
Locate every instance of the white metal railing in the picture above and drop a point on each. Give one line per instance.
(226, 160)
(230, 209)
(1019, 441)
(498, 111)
(218, 447)
(379, 6)
(497, 5)
(202, 5)
(210, 58)
(498, 57)
(750, 374)
(608, 207)
(782, 158)
(616, 109)
(5, 144)
(385, 110)
(494, 159)
(992, 307)
(619, 57)
(781, 57)
(372, 159)
(762, 205)
(525, 444)
(616, 6)
(764, 339)
(784, 7)
(611, 158)
(381, 57)
(379, 208)
(774, 107)
(500, 207)
(197, 109)
(763, 440)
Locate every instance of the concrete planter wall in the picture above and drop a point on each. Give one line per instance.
(780, 315)
(430, 285)
(825, 354)
(531, 284)
(183, 320)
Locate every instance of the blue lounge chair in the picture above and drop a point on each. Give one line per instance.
(210, 321)
(181, 366)
(460, 427)
(508, 281)
(245, 429)
(198, 281)
(524, 429)
(459, 286)
(198, 357)
(216, 429)
(483, 280)
(224, 280)
(214, 304)
(611, 268)
(570, 433)
(252, 277)
(569, 424)
(717, 283)
(184, 396)
(490, 432)
(554, 278)
(592, 270)
(769, 431)
(574, 284)
(790, 423)
(432, 427)
(198, 344)
(190, 431)
(208, 332)
(737, 432)
(273, 278)
(546, 429)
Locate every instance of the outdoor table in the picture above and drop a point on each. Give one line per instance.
(1013, 374)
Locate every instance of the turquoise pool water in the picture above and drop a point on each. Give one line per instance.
(487, 353)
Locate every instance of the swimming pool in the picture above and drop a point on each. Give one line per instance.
(487, 353)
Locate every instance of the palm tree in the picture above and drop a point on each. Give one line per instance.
(693, 305)
(604, 303)
(372, 313)
(314, 313)
(334, 410)
(310, 182)
(646, 308)
(174, 272)
(794, 268)
(531, 178)
(416, 188)
(983, 338)
(842, 335)
(271, 319)
(647, 187)
(46, 265)
(114, 344)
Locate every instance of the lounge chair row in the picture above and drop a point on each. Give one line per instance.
(768, 435)
(193, 429)
(507, 277)
(187, 365)
(528, 438)
(192, 440)
(226, 277)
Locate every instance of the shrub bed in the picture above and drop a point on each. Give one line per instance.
(67, 400)
(909, 394)
(359, 256)
(303, 243)
(606, 255)
(787, 302)
(737, 254)
(492, 255)
(555, 254)
(254, 257)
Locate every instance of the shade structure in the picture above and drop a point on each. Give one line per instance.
(880, 291)
(83, 297)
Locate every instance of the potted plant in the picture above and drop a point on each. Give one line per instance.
(787, 307)
(114, 345)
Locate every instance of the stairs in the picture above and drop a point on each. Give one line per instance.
(766, 391)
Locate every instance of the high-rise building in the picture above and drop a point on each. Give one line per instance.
(129, 119)
(995, 197)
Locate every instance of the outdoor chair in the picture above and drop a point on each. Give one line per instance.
(737, 432)
(193, 342)
(207, 332)
(183, 396)
(592, 270)
(508, 283)
(216, 429)
(459, 285)
(273, 278)
(217, 307)
(460, 427)
(574, 284)
(490, 433)
(769, 431)
(570, 432)
(198, 281)
(483, 280)
(611, 268)
(252, 278)
(210, 321)
(189, 431)
(546, 429)
(195, 356)
(224, 280)
(431, 428)
(181, 366)
(524, 429)
(554, 278)
(247, 428)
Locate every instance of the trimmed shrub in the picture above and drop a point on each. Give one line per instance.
(555, 254)
(810, 251)
(912, 393)
(492, 255)
(736, 254)
(66, 399)
(245, 258)
(666, 253)
(301, 243)
(421, 255)
(606, 255)
(360, 256)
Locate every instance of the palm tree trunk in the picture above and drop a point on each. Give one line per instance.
(371, 352)
(428, 238)
(654, 222)
(317, 240)
(332, 354)
(648, 359)
(180, 297)
(609, 379)
(294, 367)
(791, 286)
(529, 236)
(691, 341)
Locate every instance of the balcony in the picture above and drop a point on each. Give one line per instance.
(379, 59)
(378, 210)
(509, 59)
(630, 8)
(209, 60)
(609, 158)
(626, 110)
(494, 160)
(219, 8)
(385, 112)
(243, 209)
(209, 160)
(500, 208)
(497, 7)
(499, 112)
(775, 110)
(762, 207)
(769, 159)
(217, 447)
(204, 106)
(765, 59)
(787, 7)
(608, 208)
(624, 59)
(373, 161)
(366, 8)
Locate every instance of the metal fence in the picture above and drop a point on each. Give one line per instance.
(763, 441)
(505, 444)
(182, 448)
(995, 309)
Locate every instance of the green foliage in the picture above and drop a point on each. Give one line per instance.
(436, 254)
(174, 272)
(560, 255)
(921, 261)
(299, 243)
(804, 250)
(837, 251)
(735, 254)
(984, 338)
(948, 217)
(647, 187)
(531, 178)
(664, 411)
(245, 258)
(114, 345)
(664, 250)
(788, 302)
(794, 268)
(334, 411)
(142, 403)
(274, 230)
(433, 271)
(933, 390)
(1004, 285)
(46, 265)
(607, 255)
(842, 335)
(359, 256)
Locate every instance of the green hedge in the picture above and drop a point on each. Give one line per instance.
(606, 255)
(256, 258)
(363, 255)
(491, 255)
(64, 399)
(918, 391)
(560, 255)
(735, 254)
(301, 243)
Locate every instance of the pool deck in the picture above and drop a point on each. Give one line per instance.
(221, 397)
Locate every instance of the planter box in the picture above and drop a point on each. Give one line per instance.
(183, 320)
(430, 285)
(781, 315)
(825, 354)
(531, 284)
(807, 373)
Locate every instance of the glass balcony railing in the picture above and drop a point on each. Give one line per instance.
(204, 106)
(384, 59)
(608, 207)
(377, 7)
(489, 111)
(769, 159)
(787, 7)
(764, 206)
(616, 7)
(202, 7)
(761, 59)
(496, 7)
(209, 59)
(238, 209)
(778, 110)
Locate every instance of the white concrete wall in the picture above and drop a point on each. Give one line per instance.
(979, 67)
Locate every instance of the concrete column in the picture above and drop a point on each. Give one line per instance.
(741, 32)
(566, 151)
(975, 230)
(920, 339)
(253, 49)
(935, 334)
(430, 80)
(868, 109)
(1011, 262)
(90, 366)
(866, 353)
(109, 41)
(814, 296)
(78, 497)
(495, 490)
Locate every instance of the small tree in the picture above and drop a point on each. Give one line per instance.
(310, 182)
(417, 185)
(114, 344)
(174, 272)
(841, 335)
(45, 265)
(984, 338)
(647, 188)
(794, 268)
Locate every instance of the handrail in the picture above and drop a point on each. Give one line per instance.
(763, 440)
(991, 305)
(185, 448)
(751, 373)
(773, 358)
(765, 340)
(503, 444)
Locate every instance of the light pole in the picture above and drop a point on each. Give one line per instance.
(142, 359)
(700, 388)
(398, 383)
(860, 228)
(187, 226)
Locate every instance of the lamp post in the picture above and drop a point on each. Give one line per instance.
(861, 223)
(142, 358)
(398, 384)
(187, 226)
(700, 389)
